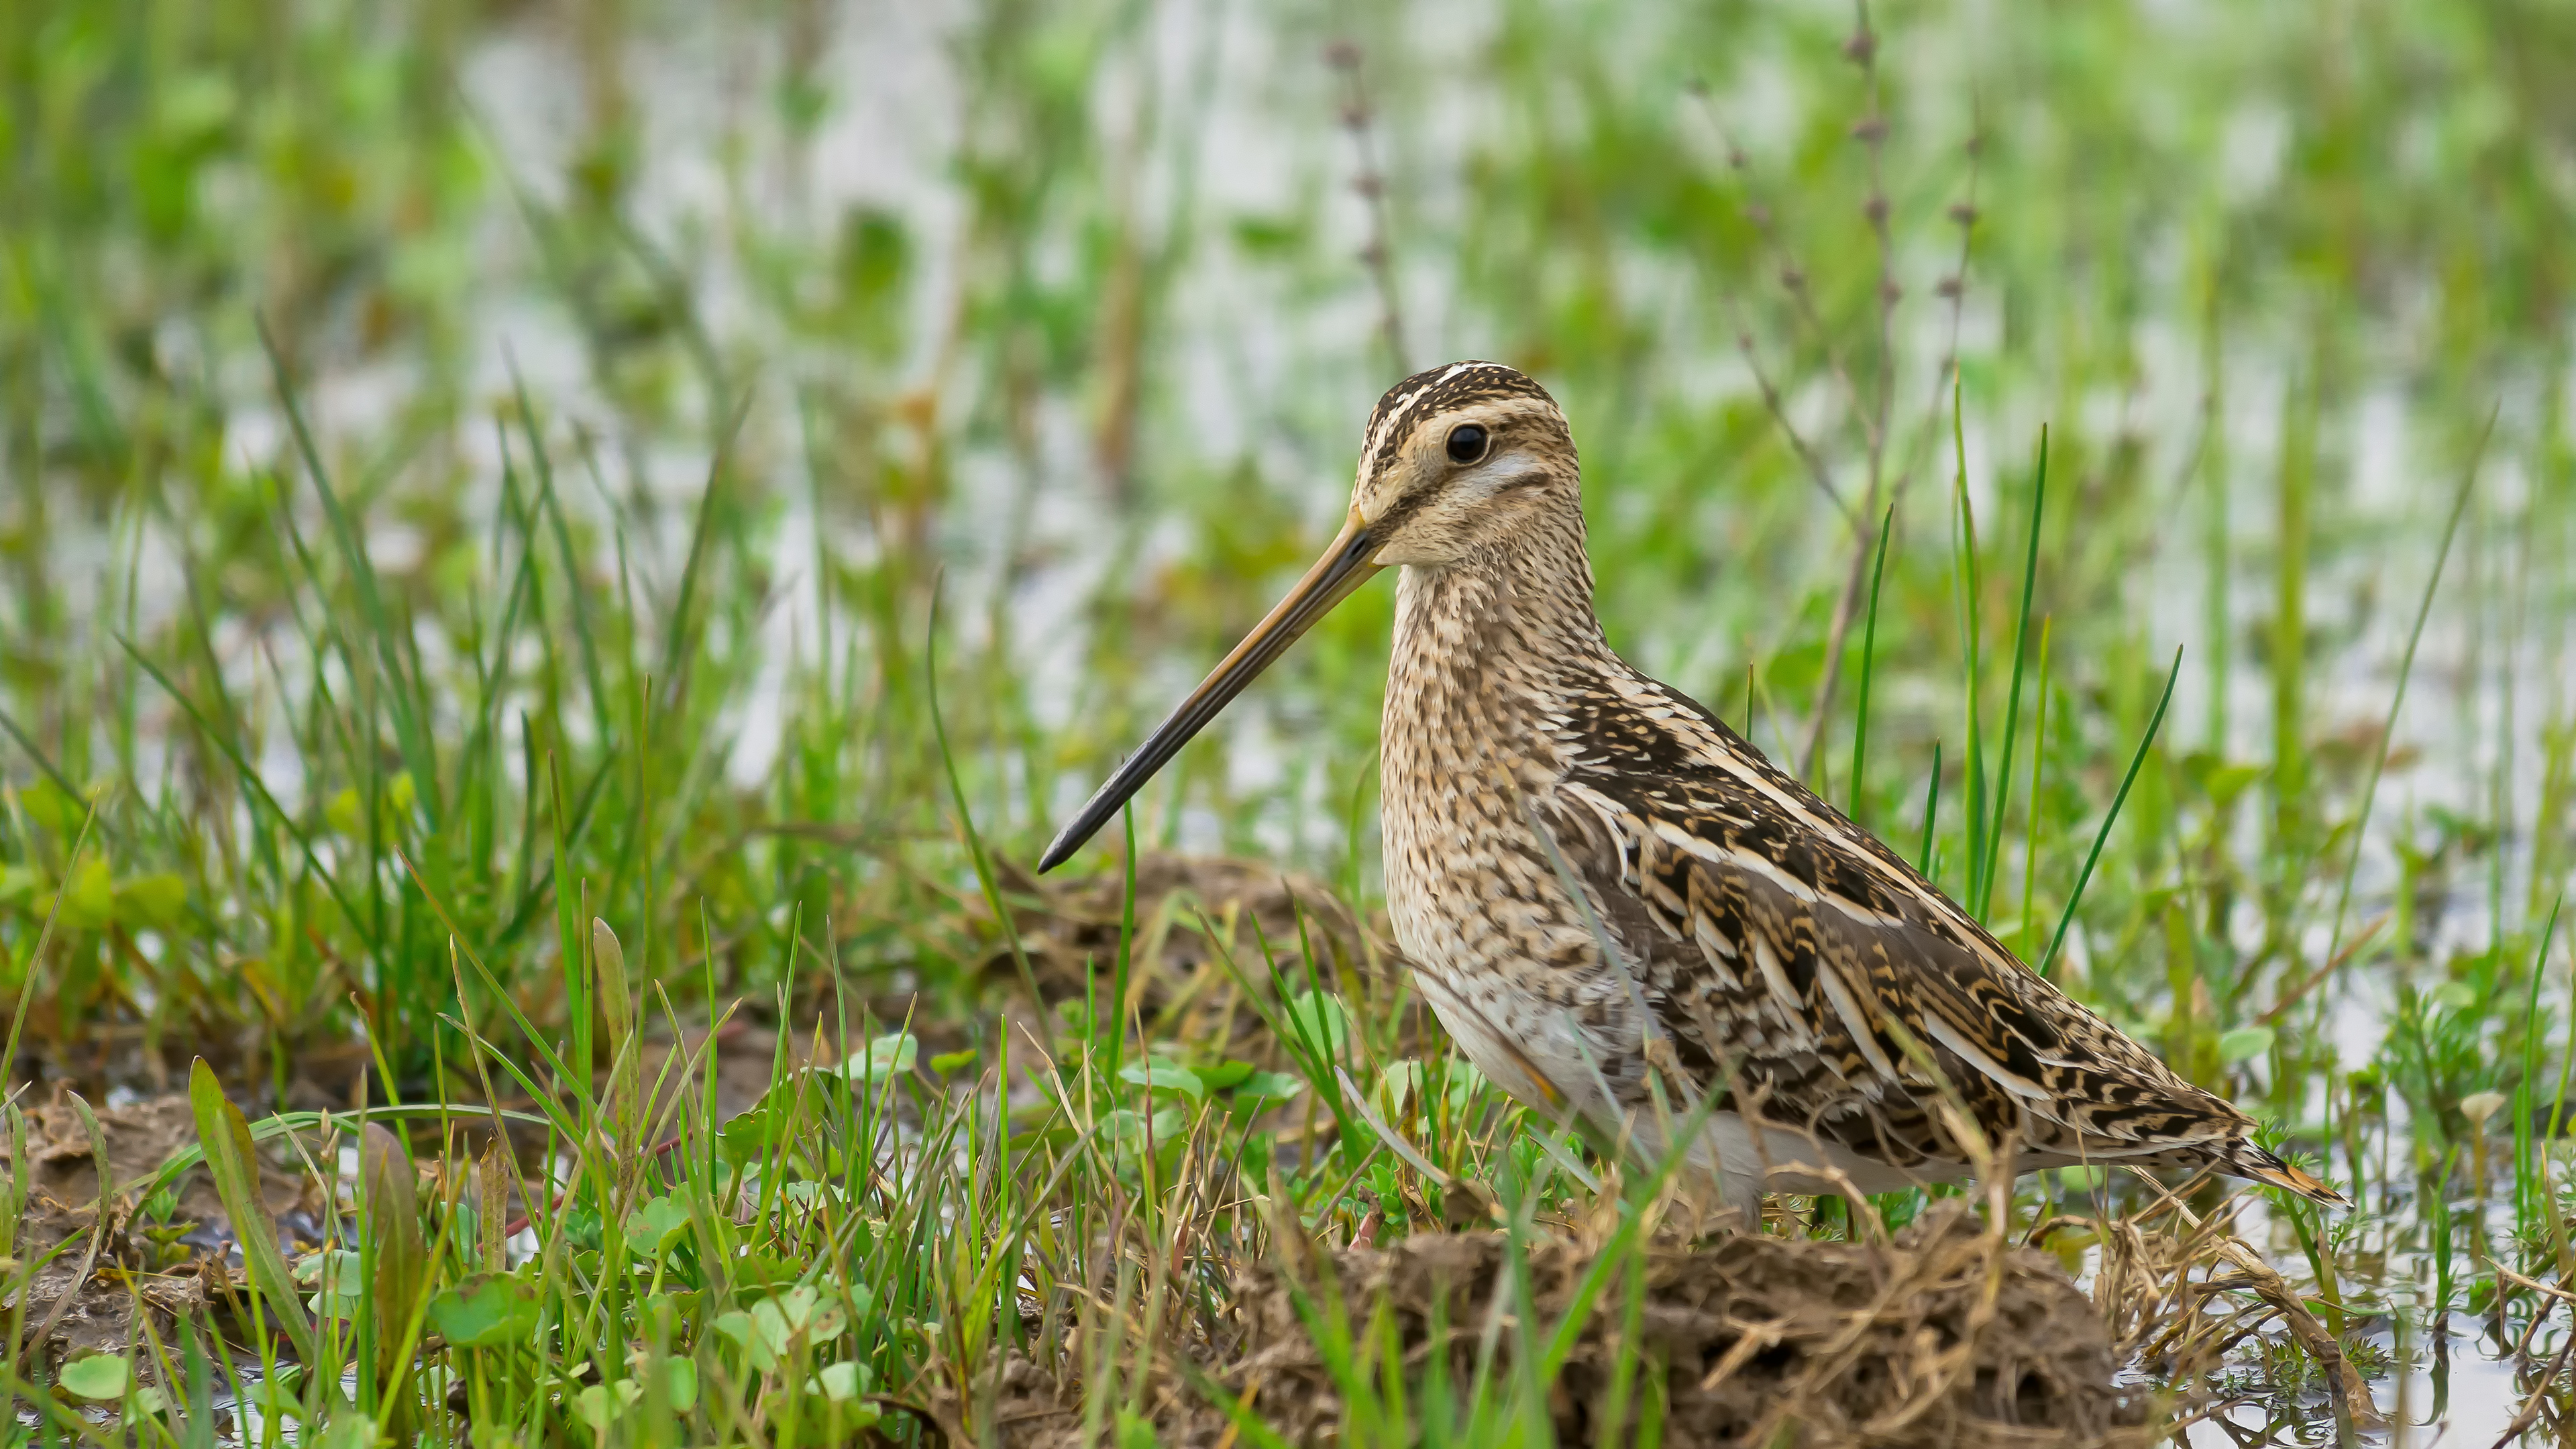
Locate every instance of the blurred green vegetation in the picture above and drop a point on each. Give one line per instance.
(469, 467)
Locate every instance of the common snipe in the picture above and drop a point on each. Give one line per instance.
(1727, 927)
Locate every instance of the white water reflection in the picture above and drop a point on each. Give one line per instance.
(1250, 350)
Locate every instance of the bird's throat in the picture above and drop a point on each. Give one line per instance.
(1483, 651)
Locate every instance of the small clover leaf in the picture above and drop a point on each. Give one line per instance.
(100, 1378)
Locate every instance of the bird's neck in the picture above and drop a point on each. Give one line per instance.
(1482, 646)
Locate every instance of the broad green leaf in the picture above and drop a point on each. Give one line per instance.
(600, 1405)
(770, 1316)
(1463, 1081)
(740, 1327)
(1398, 1085)
(1266, 1087)
(485, 1311)
(347, 814)
(1225, 1076)
(751, 1133)
(616, 997)
(348, 1429)
(2222, 781)
(1161, 1076)
(2455, 995)
(1165, 1126)
(335, 1271)
(839, 1382)
(654, 1227)
(948, 1062)
(100, 1378)
(393, 1226)
(758, 1269)
(778, 1322)
(151, 900)
(2244, 1044)
(680, 1383)
(89, 902)
(281, 1397)
(1319, 1020)
(57, 809)
(225, 1135)
(880, 1059)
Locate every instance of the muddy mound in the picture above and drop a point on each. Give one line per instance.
(1070, 926)
(1943, 1337)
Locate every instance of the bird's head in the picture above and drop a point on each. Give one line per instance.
(1458, 461)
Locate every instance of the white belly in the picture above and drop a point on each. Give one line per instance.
(1554, 1072)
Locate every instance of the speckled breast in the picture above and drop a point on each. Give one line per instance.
(1502, 955)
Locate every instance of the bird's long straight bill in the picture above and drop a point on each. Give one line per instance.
(1343, 568)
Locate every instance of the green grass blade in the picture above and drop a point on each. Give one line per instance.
(2012, 696)
(2405, 671)
(406, 695)
(2075, 897)
(234, 1164)
(1971, 601)
(1868, 662)
(984, 876)
(249, 776)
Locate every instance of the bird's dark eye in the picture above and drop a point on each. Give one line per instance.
(1466, 443)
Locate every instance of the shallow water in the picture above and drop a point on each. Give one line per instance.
(1029, 530)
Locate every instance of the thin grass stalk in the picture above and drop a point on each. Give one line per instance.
(2030, 827)
(1963, 556)
(574, 942)
(2075, 897)
(1126, 944)
(2405, 671)
(1868, 660)
(2524, 1168)
(2012, 698)
(984, 876)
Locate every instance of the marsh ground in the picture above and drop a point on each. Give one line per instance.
(474, 468)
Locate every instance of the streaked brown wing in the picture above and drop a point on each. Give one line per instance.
(1846, 992)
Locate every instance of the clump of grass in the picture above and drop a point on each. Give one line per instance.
(332, 725)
